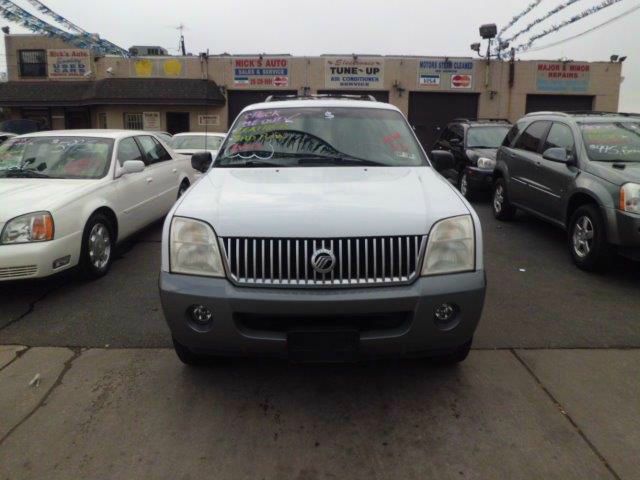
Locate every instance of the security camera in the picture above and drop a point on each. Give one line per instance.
(110, 71)
(87, 74)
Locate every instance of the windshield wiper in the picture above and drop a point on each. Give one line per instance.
(19, 173)
(235, 162)
(337, 160)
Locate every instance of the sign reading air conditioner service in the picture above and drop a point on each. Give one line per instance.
(261, 72)
(440, 73)
(358, 74)
(563, 77)
(68, 63)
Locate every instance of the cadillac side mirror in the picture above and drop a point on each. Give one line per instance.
(132, 166)
(201, 161)
(442, 160)
(558, 155)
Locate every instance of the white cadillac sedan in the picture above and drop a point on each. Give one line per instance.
(67, 197)
(190, 143)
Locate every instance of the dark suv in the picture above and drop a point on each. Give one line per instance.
(474, 144)
(580, 171)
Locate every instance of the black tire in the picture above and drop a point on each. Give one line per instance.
(587, 239)
(464, 187)
(184, 186)
(457, 356)
(500, 204)
(98, 244)
(187, 357)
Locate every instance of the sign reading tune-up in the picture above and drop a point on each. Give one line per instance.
(261, 72)
(356, 73)
(443, 73)
(563, 77)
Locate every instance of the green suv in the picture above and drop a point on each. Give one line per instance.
(579, 171)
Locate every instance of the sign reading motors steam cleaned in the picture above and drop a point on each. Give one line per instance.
(446, 73)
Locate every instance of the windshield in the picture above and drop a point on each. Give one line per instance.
(55, 157)
(486, 137)
(317, 136)
(612, 142)
(196, 142)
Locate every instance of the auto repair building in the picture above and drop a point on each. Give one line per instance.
(62, 87)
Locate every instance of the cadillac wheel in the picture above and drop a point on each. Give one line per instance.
(97, 247)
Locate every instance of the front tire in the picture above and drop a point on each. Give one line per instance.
(464, 187)
(588, 241)
(184, 186)
(98, 242)
(502, 207)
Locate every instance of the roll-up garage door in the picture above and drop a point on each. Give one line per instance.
(559, 103)
(240, 99)
(430, 112)
(379, 95)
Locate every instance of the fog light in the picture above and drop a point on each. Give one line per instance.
(445, 313)
(200, 314)
(61, 262)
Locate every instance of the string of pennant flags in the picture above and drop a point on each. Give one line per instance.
(81, 38)
(515, 19)
(538, 21)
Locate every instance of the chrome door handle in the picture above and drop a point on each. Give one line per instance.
(149, 180)
(175, 170)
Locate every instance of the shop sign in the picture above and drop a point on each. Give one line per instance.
(563, 77)
(208, 120)
(151, 121)
(356, 73)
(261, 72)
(443, 73)
(68, 63)
(158, 68)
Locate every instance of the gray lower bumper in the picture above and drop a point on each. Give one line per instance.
(227, 336)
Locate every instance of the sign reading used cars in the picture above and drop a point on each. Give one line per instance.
(261, 72)
(68, 63)
(443, 73)
(563, 77)
(355, 73)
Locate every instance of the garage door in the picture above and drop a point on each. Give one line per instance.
(240, 99)
(380, 96)
(431, 112)
(559, 103)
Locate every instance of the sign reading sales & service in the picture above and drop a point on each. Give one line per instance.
(261, 72)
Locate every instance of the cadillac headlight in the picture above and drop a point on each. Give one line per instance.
(32, 227)
(451, 247)
(487, 163)
(630, 198)
(193, 248)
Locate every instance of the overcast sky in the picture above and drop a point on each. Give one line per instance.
(401, 27)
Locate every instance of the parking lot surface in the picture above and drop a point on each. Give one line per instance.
(550, 391)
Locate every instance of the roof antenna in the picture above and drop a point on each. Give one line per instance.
(182, 28)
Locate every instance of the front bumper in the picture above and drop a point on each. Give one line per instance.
(479, 178)
(35, 260)
(623, 230)
(230, 334)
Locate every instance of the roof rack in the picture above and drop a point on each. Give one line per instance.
(323, 96)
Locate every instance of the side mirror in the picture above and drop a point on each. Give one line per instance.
(201, 161)
(442, 160)
(132, 166)
(454, 141)
(558, 155)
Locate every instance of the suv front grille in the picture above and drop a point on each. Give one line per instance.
(363, 261)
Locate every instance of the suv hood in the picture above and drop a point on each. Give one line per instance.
(26, 195)
(321, 202)
(605, 170)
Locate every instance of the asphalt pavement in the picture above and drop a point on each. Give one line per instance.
(88, 389)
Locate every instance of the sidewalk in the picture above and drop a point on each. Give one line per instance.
(138, 413)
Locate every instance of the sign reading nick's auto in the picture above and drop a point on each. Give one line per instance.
(261, 72)
(563, 77)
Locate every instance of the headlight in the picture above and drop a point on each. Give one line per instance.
(193, 248)
(32, 227)
(488, 163)
(451, 247)
(630, 198)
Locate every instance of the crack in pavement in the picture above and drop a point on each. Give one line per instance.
(30, 309)
(567, 416)
(67, 366)
(19, 354)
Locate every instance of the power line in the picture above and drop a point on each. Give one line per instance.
(586, 32)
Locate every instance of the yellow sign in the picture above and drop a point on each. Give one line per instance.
(158, 67)
(143, 68)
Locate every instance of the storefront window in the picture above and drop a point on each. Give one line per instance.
(133, 121)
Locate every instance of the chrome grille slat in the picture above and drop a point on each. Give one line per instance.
(363, 261)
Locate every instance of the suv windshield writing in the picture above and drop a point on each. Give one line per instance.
(612, 142)
(55, 157)
(486, 137)
(321, 136)
(189, 142)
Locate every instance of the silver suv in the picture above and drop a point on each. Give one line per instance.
(322, 233)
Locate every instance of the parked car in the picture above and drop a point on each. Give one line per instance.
(474, 145)
(190, 143)
(322, 233)
(4, 136)
(164, 136)
(68, 197)
(579, 171)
